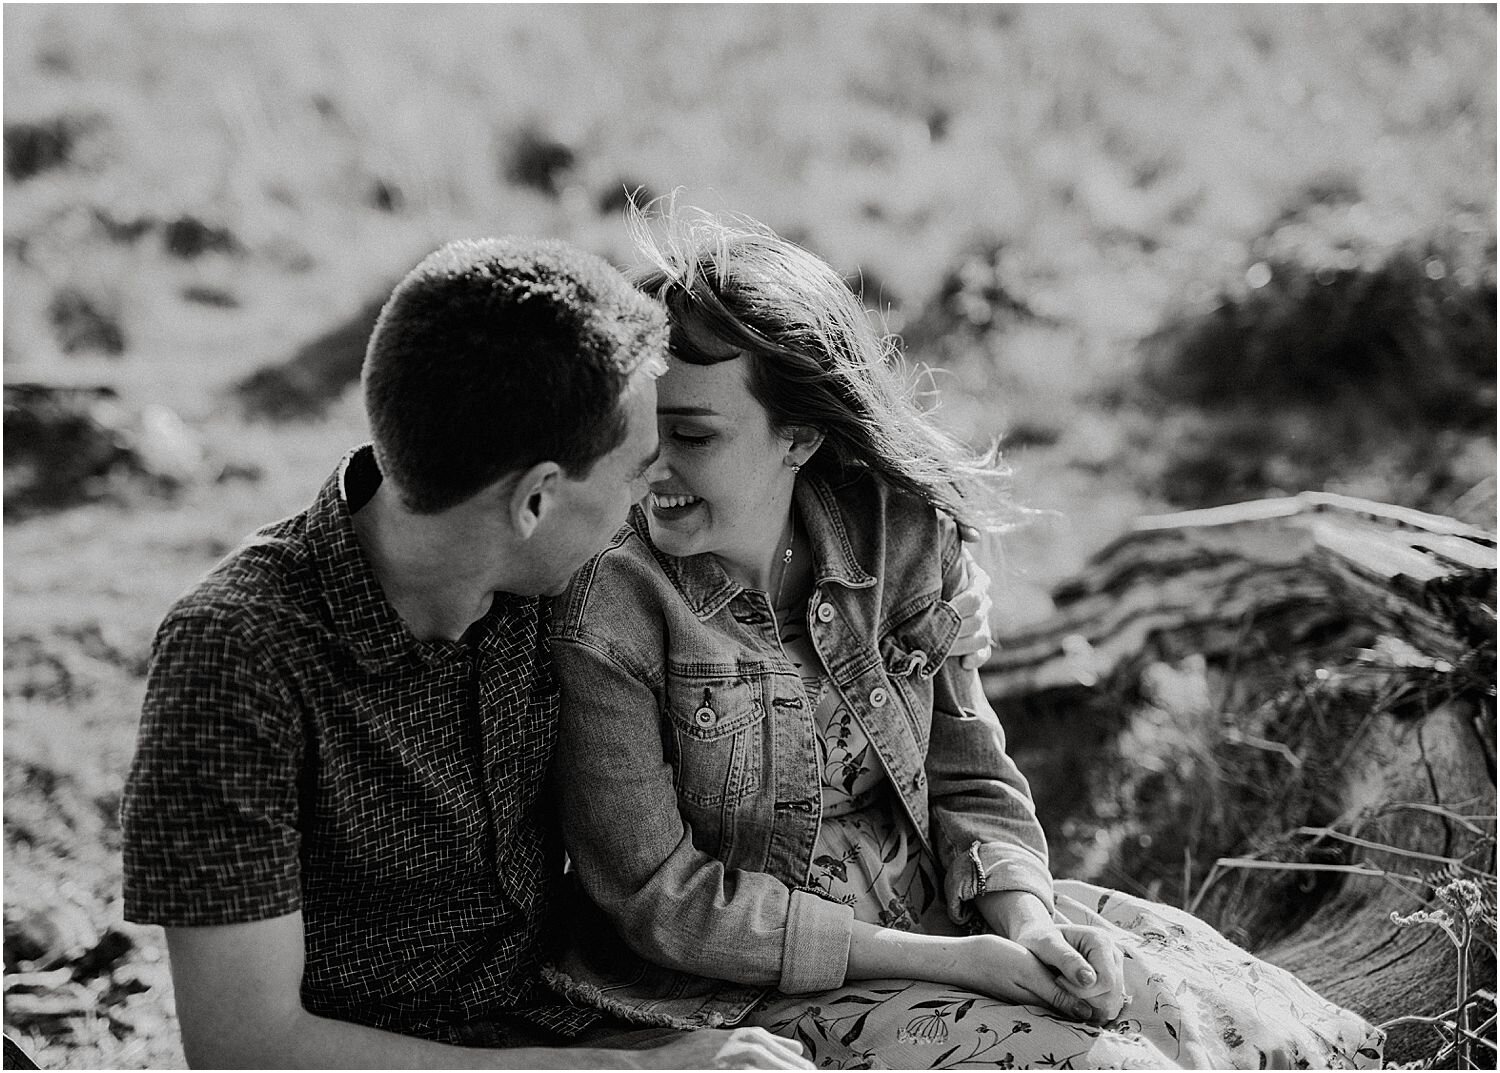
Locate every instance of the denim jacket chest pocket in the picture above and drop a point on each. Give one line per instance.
(716, 723)
(912, 652)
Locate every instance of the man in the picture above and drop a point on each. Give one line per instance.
(335, 809)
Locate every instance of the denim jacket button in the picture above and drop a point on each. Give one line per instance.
(878, 696)
(825, 612)
(705, 717)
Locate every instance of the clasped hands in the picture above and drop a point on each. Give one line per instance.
(1075, 969)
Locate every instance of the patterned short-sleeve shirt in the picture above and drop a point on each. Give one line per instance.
(301, 749)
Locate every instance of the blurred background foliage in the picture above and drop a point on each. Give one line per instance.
(1172, 256)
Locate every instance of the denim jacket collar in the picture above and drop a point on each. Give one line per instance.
(707, 586)
(832, 551)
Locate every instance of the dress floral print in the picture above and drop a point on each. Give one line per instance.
(866, 854)
(1197, 1000)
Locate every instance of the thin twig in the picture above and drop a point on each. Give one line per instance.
(1329, 832)
(1416, 1019)
(1287, 866)
(1449, 814)
(1450, 1047)
(1225, 863)
(1445, 1019)
(1396, 879)
(1208, 881)
(1233, 736)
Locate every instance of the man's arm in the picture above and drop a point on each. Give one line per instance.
(239, 1003)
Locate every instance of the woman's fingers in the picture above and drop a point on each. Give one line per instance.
(1006, 969)
(1053, 949)
(1107, 993)
(1044, 989)
(1103, 954)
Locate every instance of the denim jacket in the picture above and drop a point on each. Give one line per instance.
(687, 771)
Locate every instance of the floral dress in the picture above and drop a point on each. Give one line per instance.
(1196, 1000)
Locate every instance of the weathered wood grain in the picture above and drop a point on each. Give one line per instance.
(1289, 682)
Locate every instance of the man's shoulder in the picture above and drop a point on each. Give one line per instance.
(268, 581)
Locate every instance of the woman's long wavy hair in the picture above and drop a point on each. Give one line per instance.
(816, 358)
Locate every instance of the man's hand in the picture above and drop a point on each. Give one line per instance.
(736, 1048)
(973, 605)
(1088, 963)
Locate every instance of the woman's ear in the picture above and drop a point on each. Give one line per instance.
(804, 443)
(533, 497)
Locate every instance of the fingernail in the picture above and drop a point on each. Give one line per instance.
(1086, 977)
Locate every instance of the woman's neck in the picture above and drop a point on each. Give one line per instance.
(787, 582)
(794, 584)
(762, 563)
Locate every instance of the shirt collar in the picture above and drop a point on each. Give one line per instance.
(707, 586)
(362, 616)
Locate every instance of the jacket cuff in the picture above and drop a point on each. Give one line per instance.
(990, 867)
(816, 954)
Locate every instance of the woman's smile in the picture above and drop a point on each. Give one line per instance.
(668, 505)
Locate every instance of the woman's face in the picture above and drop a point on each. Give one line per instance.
(721, 483)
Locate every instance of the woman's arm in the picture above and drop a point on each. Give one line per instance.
(989, 841)
(986, 964)
(984, 826)
(680, 907)
(671, 902)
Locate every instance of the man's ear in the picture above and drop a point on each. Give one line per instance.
(805, 441)
(533, 497)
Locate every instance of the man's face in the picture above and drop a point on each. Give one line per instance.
(593, 508)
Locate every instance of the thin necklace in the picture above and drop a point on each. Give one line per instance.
(786, 562)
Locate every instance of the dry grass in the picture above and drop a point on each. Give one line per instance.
(217, 184)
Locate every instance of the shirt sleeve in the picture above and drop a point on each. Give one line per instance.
(209, 813)
(672, 903)
(984, 824)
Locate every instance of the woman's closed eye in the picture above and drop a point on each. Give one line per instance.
(691, 439)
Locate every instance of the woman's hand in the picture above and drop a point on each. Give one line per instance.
(986, 964)
(1088, 964)
(992, 965)
(1065, 944)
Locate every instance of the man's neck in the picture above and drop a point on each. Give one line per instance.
(435, 569)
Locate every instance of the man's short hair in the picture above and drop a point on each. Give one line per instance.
(495, 354)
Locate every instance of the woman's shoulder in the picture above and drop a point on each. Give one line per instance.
(626, 580)
(886, 514)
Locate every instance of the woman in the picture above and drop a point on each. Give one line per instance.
(775, 784)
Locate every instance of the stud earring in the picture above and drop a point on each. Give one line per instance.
(796, 466)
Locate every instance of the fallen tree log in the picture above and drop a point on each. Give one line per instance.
(1280, 714)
